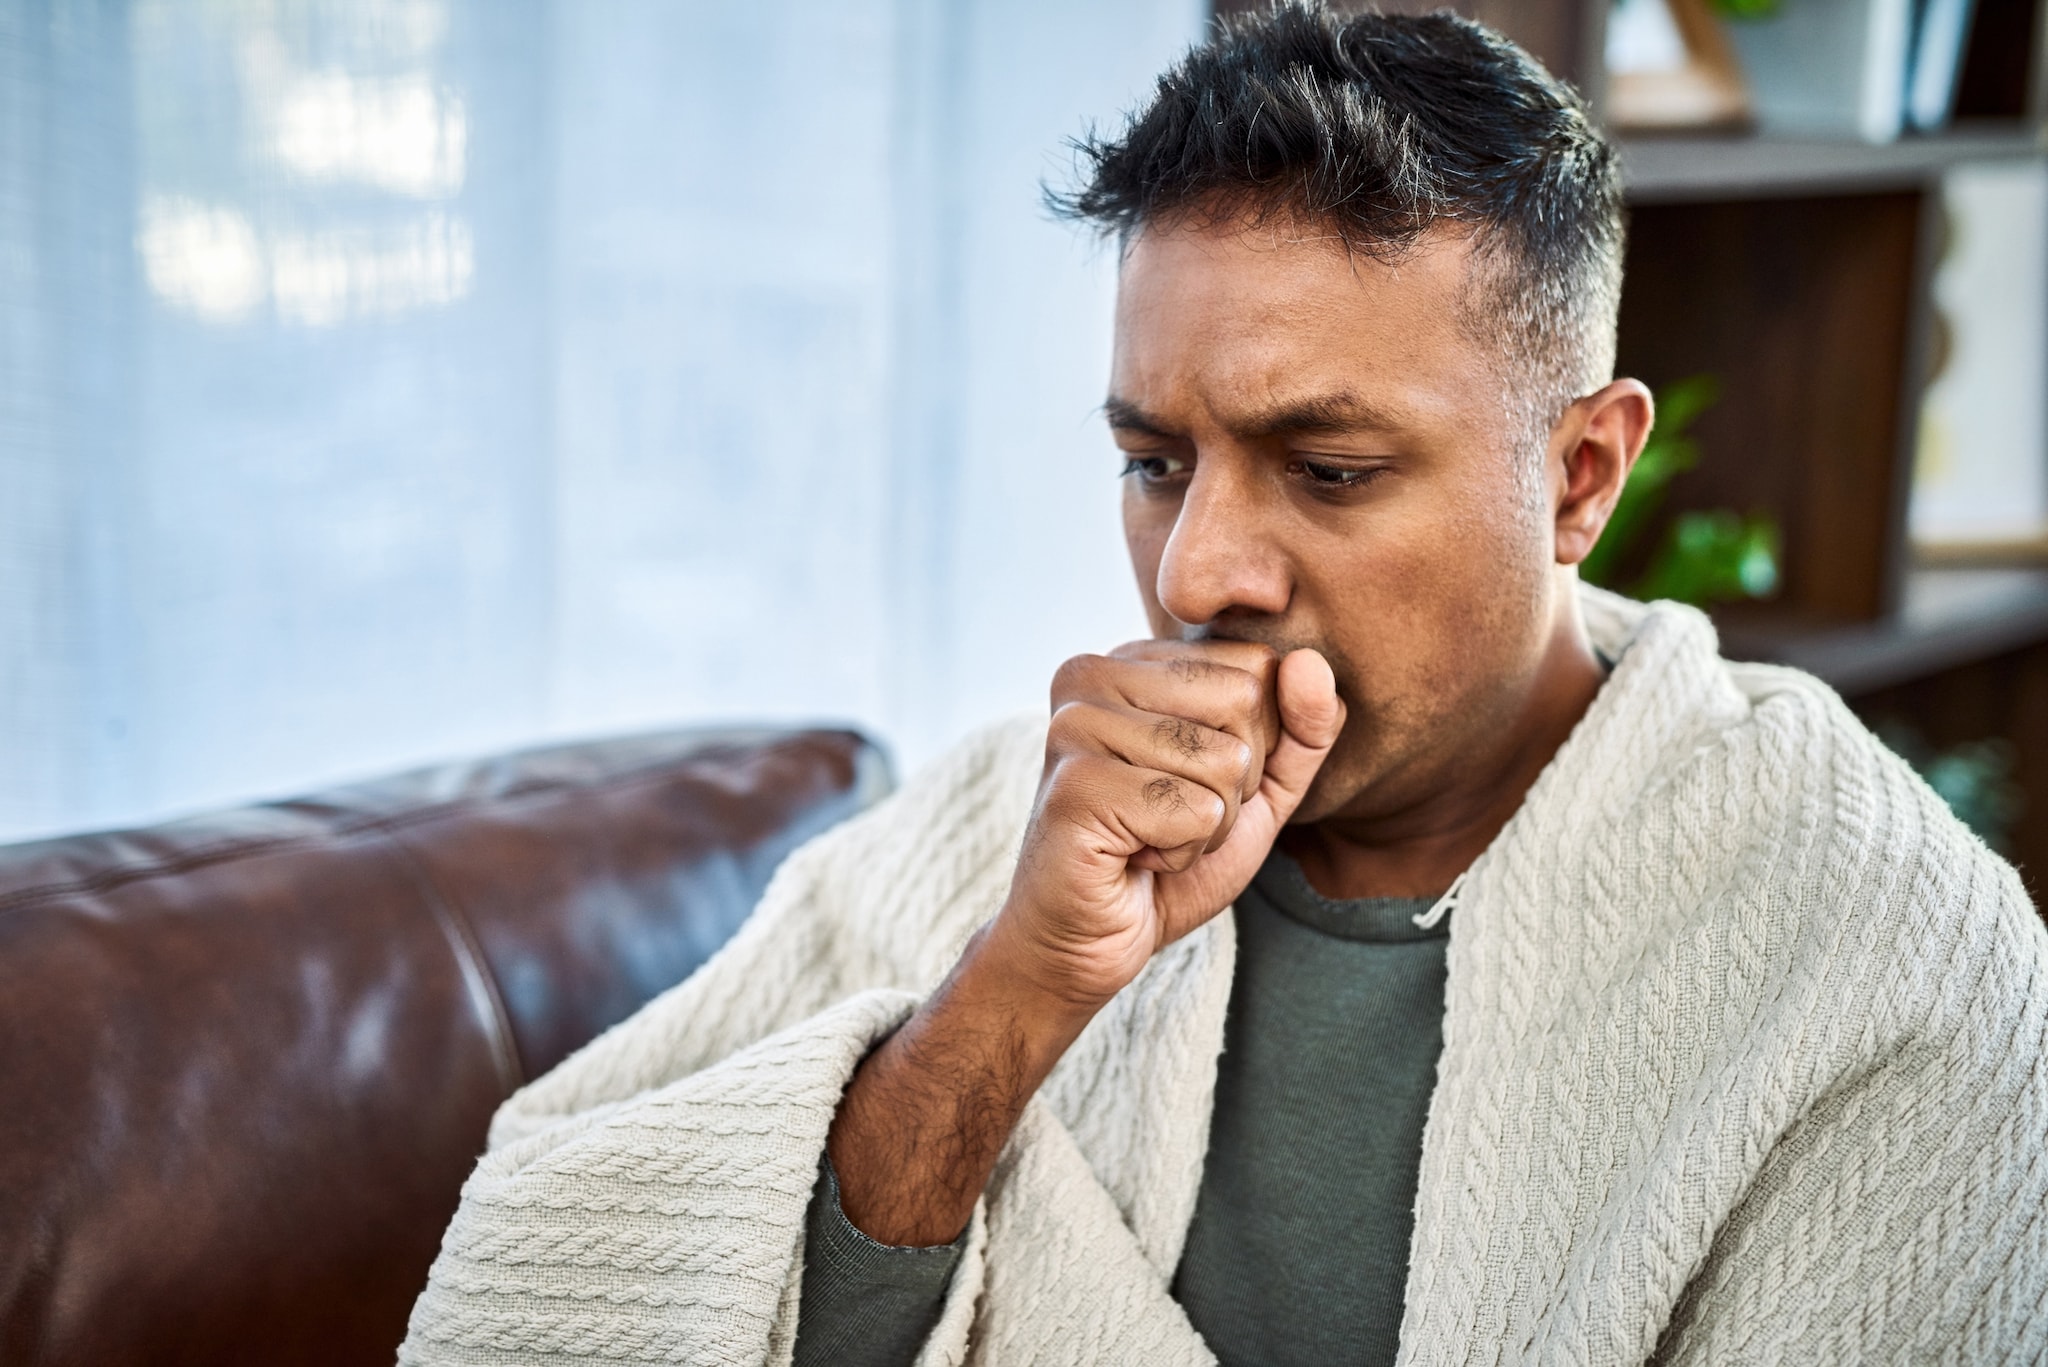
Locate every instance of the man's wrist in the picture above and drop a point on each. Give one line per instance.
(920, 1127)
(1002, 979)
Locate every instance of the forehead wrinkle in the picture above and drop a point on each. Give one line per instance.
(1262, 344)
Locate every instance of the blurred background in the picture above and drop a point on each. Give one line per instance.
(388, 380)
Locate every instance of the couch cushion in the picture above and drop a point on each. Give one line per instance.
(248, 1059)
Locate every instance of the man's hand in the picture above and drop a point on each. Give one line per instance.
(1169, 772)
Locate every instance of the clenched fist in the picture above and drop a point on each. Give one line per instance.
(1169, 770)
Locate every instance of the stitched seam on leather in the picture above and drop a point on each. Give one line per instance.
(346, 828)
(476, 966)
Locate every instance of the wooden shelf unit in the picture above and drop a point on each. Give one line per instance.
(1810, 312)
(1800, 273)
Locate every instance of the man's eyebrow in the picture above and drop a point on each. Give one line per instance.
(1125, 416)
(1319, 415)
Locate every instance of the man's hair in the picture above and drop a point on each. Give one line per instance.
(1380, 128)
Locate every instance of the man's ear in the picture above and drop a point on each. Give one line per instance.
(1593, 448)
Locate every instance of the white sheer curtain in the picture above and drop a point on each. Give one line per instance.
(382, 380)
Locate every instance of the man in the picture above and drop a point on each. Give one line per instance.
(1405, 953)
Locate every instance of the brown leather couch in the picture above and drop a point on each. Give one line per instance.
(246, 1061)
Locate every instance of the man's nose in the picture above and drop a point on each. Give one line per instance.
(1220, 556)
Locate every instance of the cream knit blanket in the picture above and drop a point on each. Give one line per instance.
(1743, 1063)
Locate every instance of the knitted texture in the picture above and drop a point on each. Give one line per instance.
(1745, 1060)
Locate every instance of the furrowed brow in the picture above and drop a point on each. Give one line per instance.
(1322, 415)
(1125, 416)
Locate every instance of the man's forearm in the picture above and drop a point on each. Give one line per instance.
(925, 1117)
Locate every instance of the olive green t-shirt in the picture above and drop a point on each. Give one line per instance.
(1298, 1253)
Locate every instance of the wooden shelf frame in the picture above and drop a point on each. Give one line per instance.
(1680, 170)
(1949, 618)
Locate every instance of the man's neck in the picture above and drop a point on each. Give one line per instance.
(1419, 850)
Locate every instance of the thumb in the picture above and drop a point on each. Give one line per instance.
(1311, 719)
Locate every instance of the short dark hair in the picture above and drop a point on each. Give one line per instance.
(1383, 127)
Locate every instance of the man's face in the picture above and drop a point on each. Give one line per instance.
(1321, 455)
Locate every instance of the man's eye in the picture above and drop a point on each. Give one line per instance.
(1154, 469)
(1333, 476)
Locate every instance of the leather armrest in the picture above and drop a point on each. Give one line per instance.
(248, 1059)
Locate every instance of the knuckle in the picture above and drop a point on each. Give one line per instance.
(1247, 692)
(1070, 777)
(1059, 732)
(1185, 738)
(1163, 794)
(1074, 675)
(1071, 723)
(1089, 770)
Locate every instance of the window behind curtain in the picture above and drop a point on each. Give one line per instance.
(389, 379)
